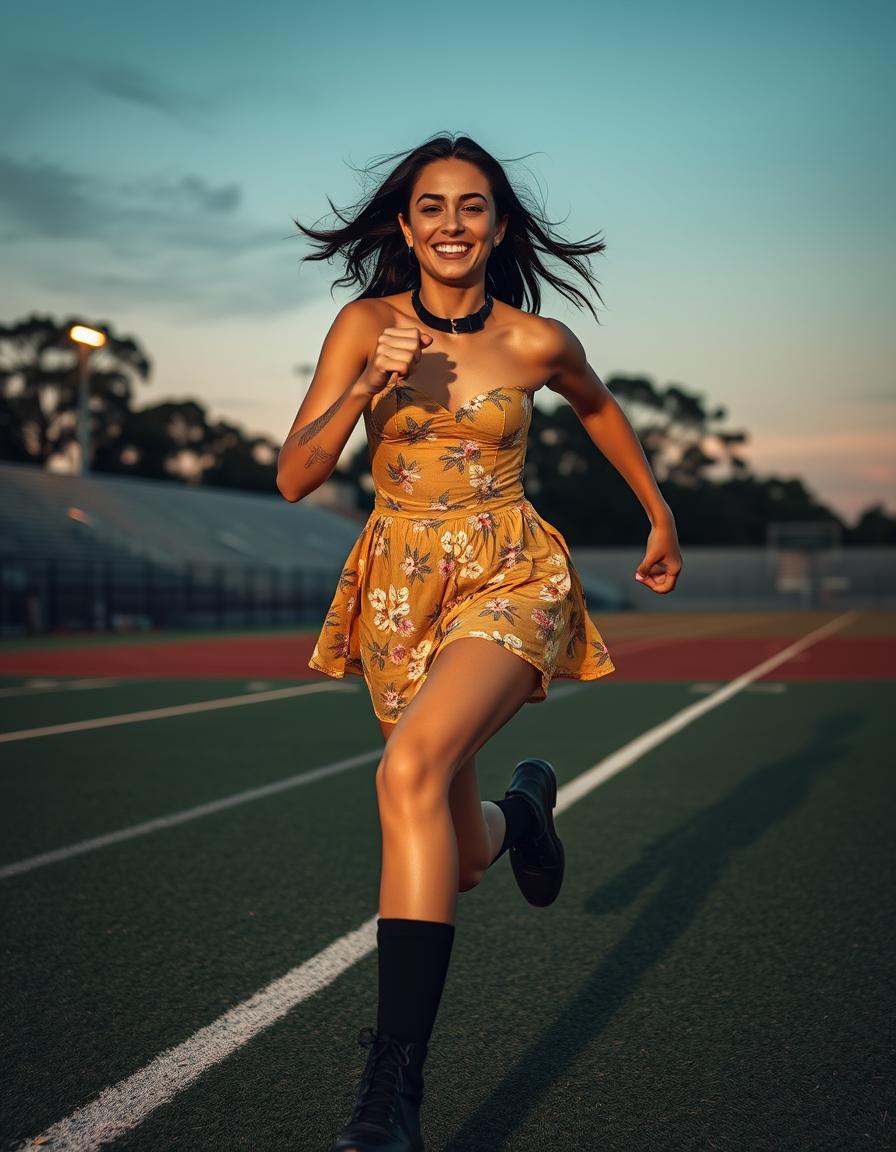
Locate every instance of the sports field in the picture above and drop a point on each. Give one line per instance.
(190, 868)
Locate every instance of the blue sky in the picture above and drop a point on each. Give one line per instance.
(733, 157)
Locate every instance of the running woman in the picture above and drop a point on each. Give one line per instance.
(458, 602)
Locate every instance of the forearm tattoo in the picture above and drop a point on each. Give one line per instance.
(315, 426)
(319, 456)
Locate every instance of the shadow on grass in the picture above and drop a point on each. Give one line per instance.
(691, 858)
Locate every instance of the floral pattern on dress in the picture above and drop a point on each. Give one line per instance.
(453, 548)
(405, 473)
(391, 613)
(461, 456)
(460, 556)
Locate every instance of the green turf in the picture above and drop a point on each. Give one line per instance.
(38, 709)
(715, 974)
(73, 786)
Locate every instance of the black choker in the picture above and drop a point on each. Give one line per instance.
(472, 323)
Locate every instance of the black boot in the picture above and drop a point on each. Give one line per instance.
(386, 1113)
(538, 860)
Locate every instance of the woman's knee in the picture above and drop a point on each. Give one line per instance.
(412, 773)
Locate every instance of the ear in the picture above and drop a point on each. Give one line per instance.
(406, 232)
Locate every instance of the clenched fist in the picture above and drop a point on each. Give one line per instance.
(398, 352)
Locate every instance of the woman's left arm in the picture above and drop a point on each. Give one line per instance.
(573, 378)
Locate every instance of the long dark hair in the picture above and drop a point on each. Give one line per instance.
(377, 258)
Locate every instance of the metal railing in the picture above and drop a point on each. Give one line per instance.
(102, 594)
(122, 595)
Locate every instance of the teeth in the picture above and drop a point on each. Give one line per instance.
(451, 247)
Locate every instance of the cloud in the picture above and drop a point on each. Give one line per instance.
(189, 192)
(183, 244)
(879, 395)
(44, 90)
(44, 200)
(134, 86)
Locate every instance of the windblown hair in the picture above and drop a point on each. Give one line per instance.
(377, 257)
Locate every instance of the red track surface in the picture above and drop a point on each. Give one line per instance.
(286, 657)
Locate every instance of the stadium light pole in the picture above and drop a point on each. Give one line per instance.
(85, 338)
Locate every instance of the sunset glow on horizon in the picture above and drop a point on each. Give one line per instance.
(732, 159)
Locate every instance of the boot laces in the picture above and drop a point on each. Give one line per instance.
(381, 1081)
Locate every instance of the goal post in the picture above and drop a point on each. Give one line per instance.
(804, 535)
(794, 549)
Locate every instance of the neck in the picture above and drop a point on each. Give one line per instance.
(451, 300)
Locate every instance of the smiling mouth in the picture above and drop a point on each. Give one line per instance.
(452, 250)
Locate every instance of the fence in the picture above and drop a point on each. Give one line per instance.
(756, 579)
(116, 595)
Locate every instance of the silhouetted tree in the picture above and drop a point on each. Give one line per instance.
(874, 526)
(39, 387)
(573, 484)
(575, 487)
(170, 440)
(174, 440)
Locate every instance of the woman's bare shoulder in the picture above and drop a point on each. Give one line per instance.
(378, 312)
(539, 338)
(363, 311)
(359, 323)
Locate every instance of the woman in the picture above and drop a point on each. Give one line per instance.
(458, 603)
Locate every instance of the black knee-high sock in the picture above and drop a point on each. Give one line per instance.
(413, 958)
(520, 820)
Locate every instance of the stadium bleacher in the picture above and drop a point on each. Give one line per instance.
(110, 552)
(45, 514)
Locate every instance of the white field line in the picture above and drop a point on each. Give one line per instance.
(771, 688)
(125, 1105)
(636, 748)
(173, 710)
(56, 855)
(624, 647)
(40, 685)
(18, 867)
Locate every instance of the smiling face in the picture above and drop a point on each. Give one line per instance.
(453, 223)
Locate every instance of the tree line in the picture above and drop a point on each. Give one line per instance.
(573, 485)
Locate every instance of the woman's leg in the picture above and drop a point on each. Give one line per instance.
(479, 825)
(472, 689)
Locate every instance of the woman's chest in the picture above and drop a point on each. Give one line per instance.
(452, 375)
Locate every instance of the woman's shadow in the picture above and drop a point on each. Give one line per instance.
(690, 858)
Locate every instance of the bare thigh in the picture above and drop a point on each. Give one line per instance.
(473, 687)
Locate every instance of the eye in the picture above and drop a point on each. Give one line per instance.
(429, 208)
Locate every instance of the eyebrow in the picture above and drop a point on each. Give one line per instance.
(438, 196)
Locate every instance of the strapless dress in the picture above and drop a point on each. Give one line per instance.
(453, 548)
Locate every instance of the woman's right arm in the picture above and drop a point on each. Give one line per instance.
(337, 395)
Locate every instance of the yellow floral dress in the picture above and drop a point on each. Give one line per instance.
(453, 548)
